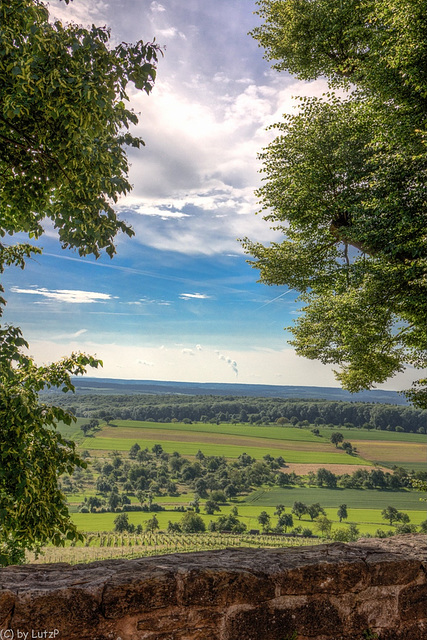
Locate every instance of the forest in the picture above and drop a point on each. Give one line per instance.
(167, 408)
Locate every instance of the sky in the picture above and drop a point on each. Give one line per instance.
(179, 300)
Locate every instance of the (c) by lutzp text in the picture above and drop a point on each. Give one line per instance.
(32, 634)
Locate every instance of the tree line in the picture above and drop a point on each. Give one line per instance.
(216, 409)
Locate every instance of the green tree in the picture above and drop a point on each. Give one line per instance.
(336, 438)
(152, 524)
(391, 514)
(342, 512)
(299, 509)
(345, 181)
(192, 523)
(285, 520)
(314, 511)
(280, 508)
(324, 526)
(133, 451)
(63, 132)
(211, 506)
(264, 520)
(121, 523)
(173, 527)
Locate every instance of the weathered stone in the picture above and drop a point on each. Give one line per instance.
(325, 592)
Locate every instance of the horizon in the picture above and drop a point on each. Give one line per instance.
(296, 392)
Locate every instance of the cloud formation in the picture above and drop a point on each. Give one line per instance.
(73, 296)
(194, 296)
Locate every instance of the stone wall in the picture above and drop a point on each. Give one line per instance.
(325, 592)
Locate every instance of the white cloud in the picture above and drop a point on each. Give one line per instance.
(192, 296)
(84, 13)
(162, 211)
(170, 32)
(157, 7)
(73, 296)
(78, 333)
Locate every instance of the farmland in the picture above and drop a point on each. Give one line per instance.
(295, 445)
(243, 475)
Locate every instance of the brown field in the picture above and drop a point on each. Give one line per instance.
(212, 438)
(391, 451)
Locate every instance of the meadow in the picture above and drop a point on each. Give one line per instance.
(293, 444)
(301, 448)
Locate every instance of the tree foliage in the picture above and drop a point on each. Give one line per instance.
(346, 183)
(63, 132)
(64, 125)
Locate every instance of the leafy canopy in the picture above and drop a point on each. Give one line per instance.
(63, 131)
(346, 183)
(63, 125)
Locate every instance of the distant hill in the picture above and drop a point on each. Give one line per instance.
(111, 385)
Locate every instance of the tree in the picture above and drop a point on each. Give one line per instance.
(264, 520)
(133, 451)
(324, 526)
(121, 523)
(280, 508)
(299, 509)
(152, 524)
(173, 527)
(336, 438)
(113, 500)
(211, 506)
(391, 514)
(157, 449)
(228, 523)
(285, 520)
(314, 510)
(345, 181)
(348, 447)
(324, 476)
(85, 428)
(342, 512)
(192, 523)
(63, 132)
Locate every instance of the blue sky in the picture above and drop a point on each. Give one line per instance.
(179, 301)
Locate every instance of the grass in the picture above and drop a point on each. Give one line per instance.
(243, 430)
(367, 519)
(306, 455)
(374, 434)
(354, 498)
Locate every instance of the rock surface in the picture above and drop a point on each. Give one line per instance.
(326, 592)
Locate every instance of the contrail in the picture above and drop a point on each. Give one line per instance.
(270, 301)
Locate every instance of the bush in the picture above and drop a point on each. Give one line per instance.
(192, 523)
(307, 533)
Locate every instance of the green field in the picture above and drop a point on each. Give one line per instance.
(354, 498)
(241, 430)
(375, 434)
(296, 445)
(228, 450)
(367, 520)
